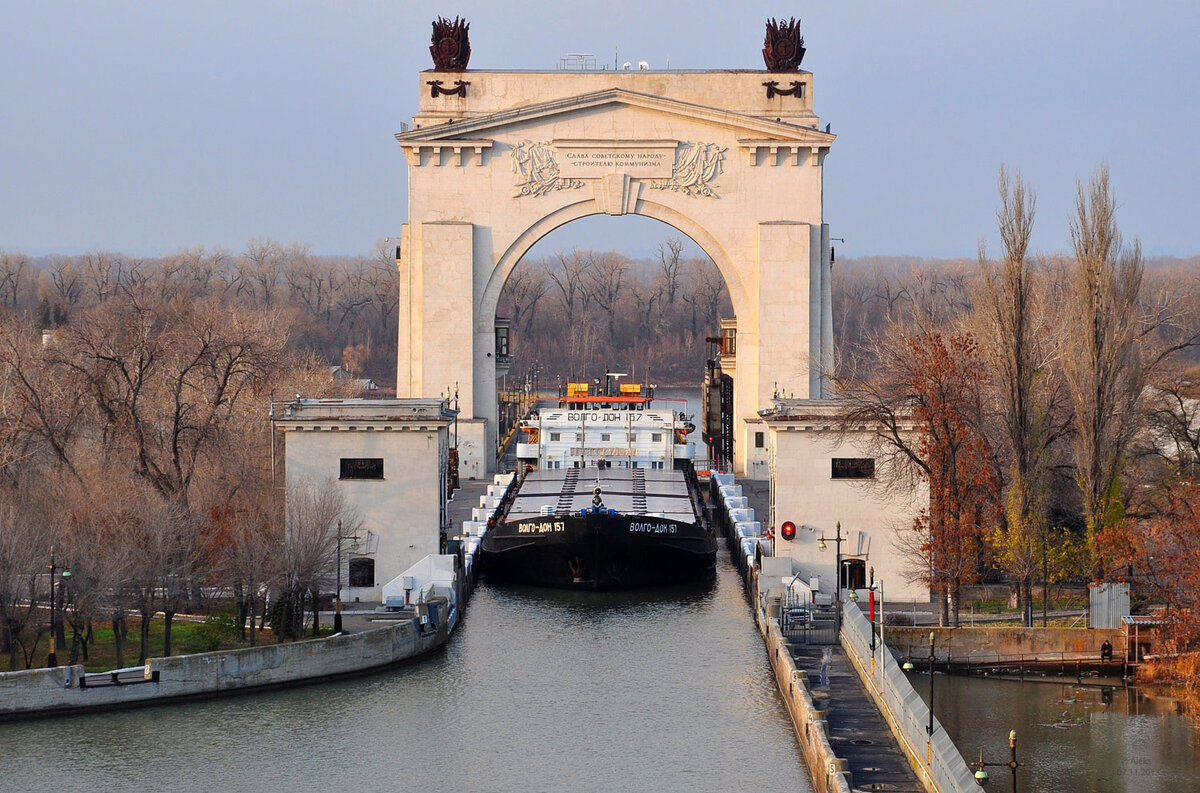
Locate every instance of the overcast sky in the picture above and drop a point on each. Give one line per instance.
(146, 127)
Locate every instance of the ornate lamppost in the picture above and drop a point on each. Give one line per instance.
(981, 775)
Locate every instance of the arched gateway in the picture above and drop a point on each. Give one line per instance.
(496, 160)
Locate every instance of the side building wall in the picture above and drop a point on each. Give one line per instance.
(402, 508)
(804, 441)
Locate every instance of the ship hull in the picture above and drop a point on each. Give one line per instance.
(599, 551)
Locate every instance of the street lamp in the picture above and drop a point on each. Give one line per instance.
(929, 729)
(337, 608)
(52, 657)
(837, 538)
(981, 776)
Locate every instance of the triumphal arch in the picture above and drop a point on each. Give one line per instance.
(498, 159)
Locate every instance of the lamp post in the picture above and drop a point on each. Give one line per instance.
(929, 728)
(52, 656)
(337, 607)
(837, 538)
(981, 775)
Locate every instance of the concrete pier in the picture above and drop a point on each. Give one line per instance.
(857, 731)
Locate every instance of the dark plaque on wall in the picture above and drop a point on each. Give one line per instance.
(451, 47)
(783, 48)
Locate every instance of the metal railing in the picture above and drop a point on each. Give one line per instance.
(939, 758)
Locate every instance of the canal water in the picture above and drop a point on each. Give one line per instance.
(537, 690)
(1070, 738)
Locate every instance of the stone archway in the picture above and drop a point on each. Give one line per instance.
(717, 155)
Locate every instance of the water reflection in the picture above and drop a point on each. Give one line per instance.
(538, 690)
(1072, 738)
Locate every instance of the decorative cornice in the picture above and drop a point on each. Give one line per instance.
(485, 125)
(460, 148)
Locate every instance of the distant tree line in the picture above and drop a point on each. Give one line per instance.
(343, 308)
(579, 312)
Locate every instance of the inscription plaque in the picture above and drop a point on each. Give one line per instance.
(594, 159)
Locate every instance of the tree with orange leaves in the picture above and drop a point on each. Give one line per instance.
(935, 382)
(947, 385)
(1163, 551)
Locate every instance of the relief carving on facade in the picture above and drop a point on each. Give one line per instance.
(537, 170)
(696, 166)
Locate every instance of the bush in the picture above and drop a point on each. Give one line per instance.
(217, 629)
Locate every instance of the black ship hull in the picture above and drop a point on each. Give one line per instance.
(599, 551)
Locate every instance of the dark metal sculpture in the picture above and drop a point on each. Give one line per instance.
(783, 48)
(773, 89)
(451, 47)
(436, 88)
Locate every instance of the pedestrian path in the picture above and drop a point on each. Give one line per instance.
(857, 731)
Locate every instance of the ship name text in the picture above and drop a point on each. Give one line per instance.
(653, 528)
(543, 527)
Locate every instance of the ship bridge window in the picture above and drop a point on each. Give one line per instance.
(853, 468)
(361, 468)
(604, 436)
(362, 571)
(656, 437)
(556, 436)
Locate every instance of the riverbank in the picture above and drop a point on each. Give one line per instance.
(404, 634)
(39, 693)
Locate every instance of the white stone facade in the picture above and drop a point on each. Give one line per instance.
(404, 507)
(804, 441)
(524, 153)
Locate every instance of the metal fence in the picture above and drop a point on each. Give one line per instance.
(939, 758)
(804, 622)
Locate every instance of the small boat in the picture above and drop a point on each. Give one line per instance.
(605, 497)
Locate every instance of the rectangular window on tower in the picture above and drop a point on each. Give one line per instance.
(760, 440)
(853, 468)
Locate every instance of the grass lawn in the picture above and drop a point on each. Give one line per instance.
(186, 637)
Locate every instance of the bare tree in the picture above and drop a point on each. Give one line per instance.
(259, 268)
(1101, 364)
(570, 281)
(1011, 329)
(525, 288)
(310, 548)
(605, 278)
(24, 552)
(14, 278)
(670, 265)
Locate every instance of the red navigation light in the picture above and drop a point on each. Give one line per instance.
(788, 530)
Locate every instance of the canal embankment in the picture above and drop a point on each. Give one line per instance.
(862, 725)
(1065, 652)
(68, 689)
(420, 621)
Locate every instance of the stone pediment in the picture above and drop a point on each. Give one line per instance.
(473, 135)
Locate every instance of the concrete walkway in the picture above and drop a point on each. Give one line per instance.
(858, 732)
